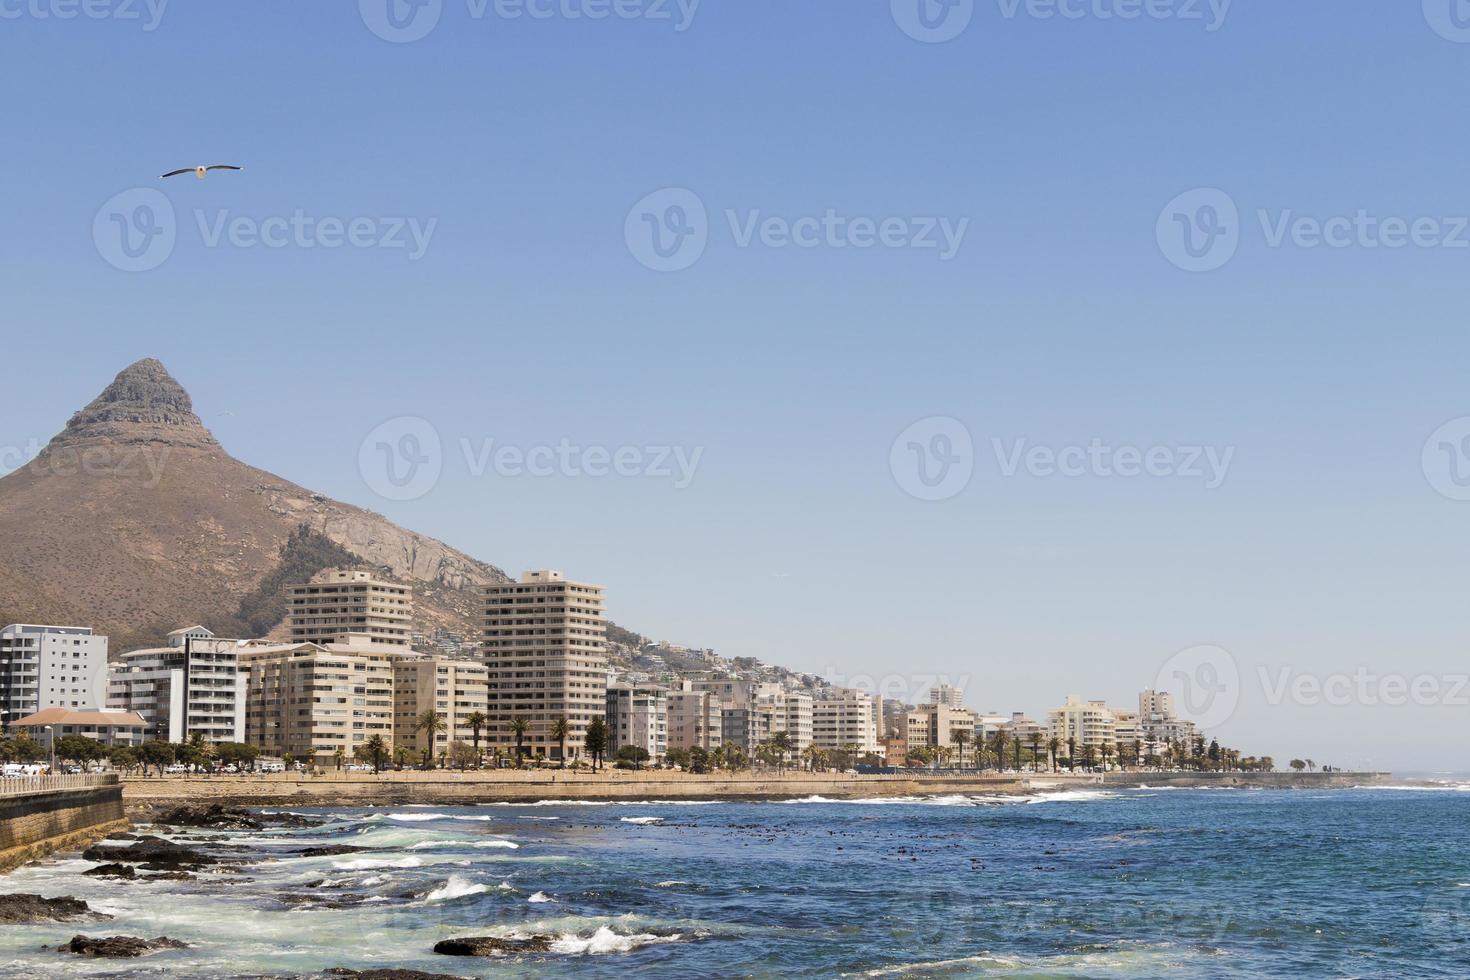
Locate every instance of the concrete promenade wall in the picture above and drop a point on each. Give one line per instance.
(35, 823)
(411, 786)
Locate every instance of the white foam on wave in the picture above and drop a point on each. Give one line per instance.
(605, 940)
(417, 817)
(671, 883)
(455, 887)
(642, 820)
(1412, 788)
(428, 845)
(367, 864)
(539, 898)
(1072, 796)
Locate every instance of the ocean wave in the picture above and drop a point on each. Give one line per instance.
(369, 864)
(671, 883)
(427, 845)
(455, 887)
(605, 940)
(642, 820)
(539, 898)
(1423, 788)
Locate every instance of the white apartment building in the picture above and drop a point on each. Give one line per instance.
(638, 715)
(310, 700)
(950, 697)
(1158, 724)
(934, 725)
(790, 712)
(746, 726)
(695, 719)
(1089, 723)
(337, 602)
(545, 650)
(50, 667)
(847, 720)
(457, 690)
(190, 686)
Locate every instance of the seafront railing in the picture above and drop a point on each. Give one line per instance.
(27, 785)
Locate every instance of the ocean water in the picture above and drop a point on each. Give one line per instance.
(1128, 883)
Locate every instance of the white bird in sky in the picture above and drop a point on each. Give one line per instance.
(199, 171)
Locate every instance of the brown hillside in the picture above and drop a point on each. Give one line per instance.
(135, 521)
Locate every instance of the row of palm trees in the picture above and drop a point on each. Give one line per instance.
(1168, 754)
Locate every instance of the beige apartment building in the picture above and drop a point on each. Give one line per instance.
(545, 651)
(310, 700)
(456, 689)
(337, 602)
(847, 721)
(934, 725)
(695, 719)
(1087, 722)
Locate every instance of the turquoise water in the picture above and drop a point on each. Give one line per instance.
(1133, 883)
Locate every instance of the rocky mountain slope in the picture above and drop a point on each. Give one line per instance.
(135, 521)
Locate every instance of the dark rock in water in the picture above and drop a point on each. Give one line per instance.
(34, 908)
(149, 849)
(389, 975)
(493, 946)
(291, 821)
(122, 835)
(170, 868)
(111, 871)
(330, 850)
(215, 816)
(119, 946)
(167, 876)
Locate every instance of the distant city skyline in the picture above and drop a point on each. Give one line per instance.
(1042, 456)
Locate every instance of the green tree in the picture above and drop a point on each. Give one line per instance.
(560, 729)
(519, 725)
(462, 756)
(124, 758)
(339, 755)
(633, 755)
(1053, 746)
(477, 720)
(158, 754)
(1072, 753)
(374, 750)
(596, 740)
(959, 736)
(699, 759)
(431, 724)
(781, 743)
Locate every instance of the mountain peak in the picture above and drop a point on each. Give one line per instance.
(143, 404)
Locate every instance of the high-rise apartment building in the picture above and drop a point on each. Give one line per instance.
(191, 686)
(846, 721)
(695, 719)
(336, 603)
(455, 689)
(1088, 723)
(950, 697)
(545, 650)
(50, 667)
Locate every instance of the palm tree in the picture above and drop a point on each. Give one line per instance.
(431, 723)
(559, 731)
(476, 720)
(1137, 752)
(1035, 751)
(1053, 746)
(519, 725)
(959, 737)
(338, 754)
(1107, 753)
(781, 742)
(1016, 750)
(1072, 752)
(999, 741)
(377, 751)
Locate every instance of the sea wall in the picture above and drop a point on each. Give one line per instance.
(391, 788)
(36, 821)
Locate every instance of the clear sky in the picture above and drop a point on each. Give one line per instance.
(1051, 148)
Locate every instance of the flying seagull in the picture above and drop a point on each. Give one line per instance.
(199, 171)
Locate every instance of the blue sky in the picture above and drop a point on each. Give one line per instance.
(1061, 320)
